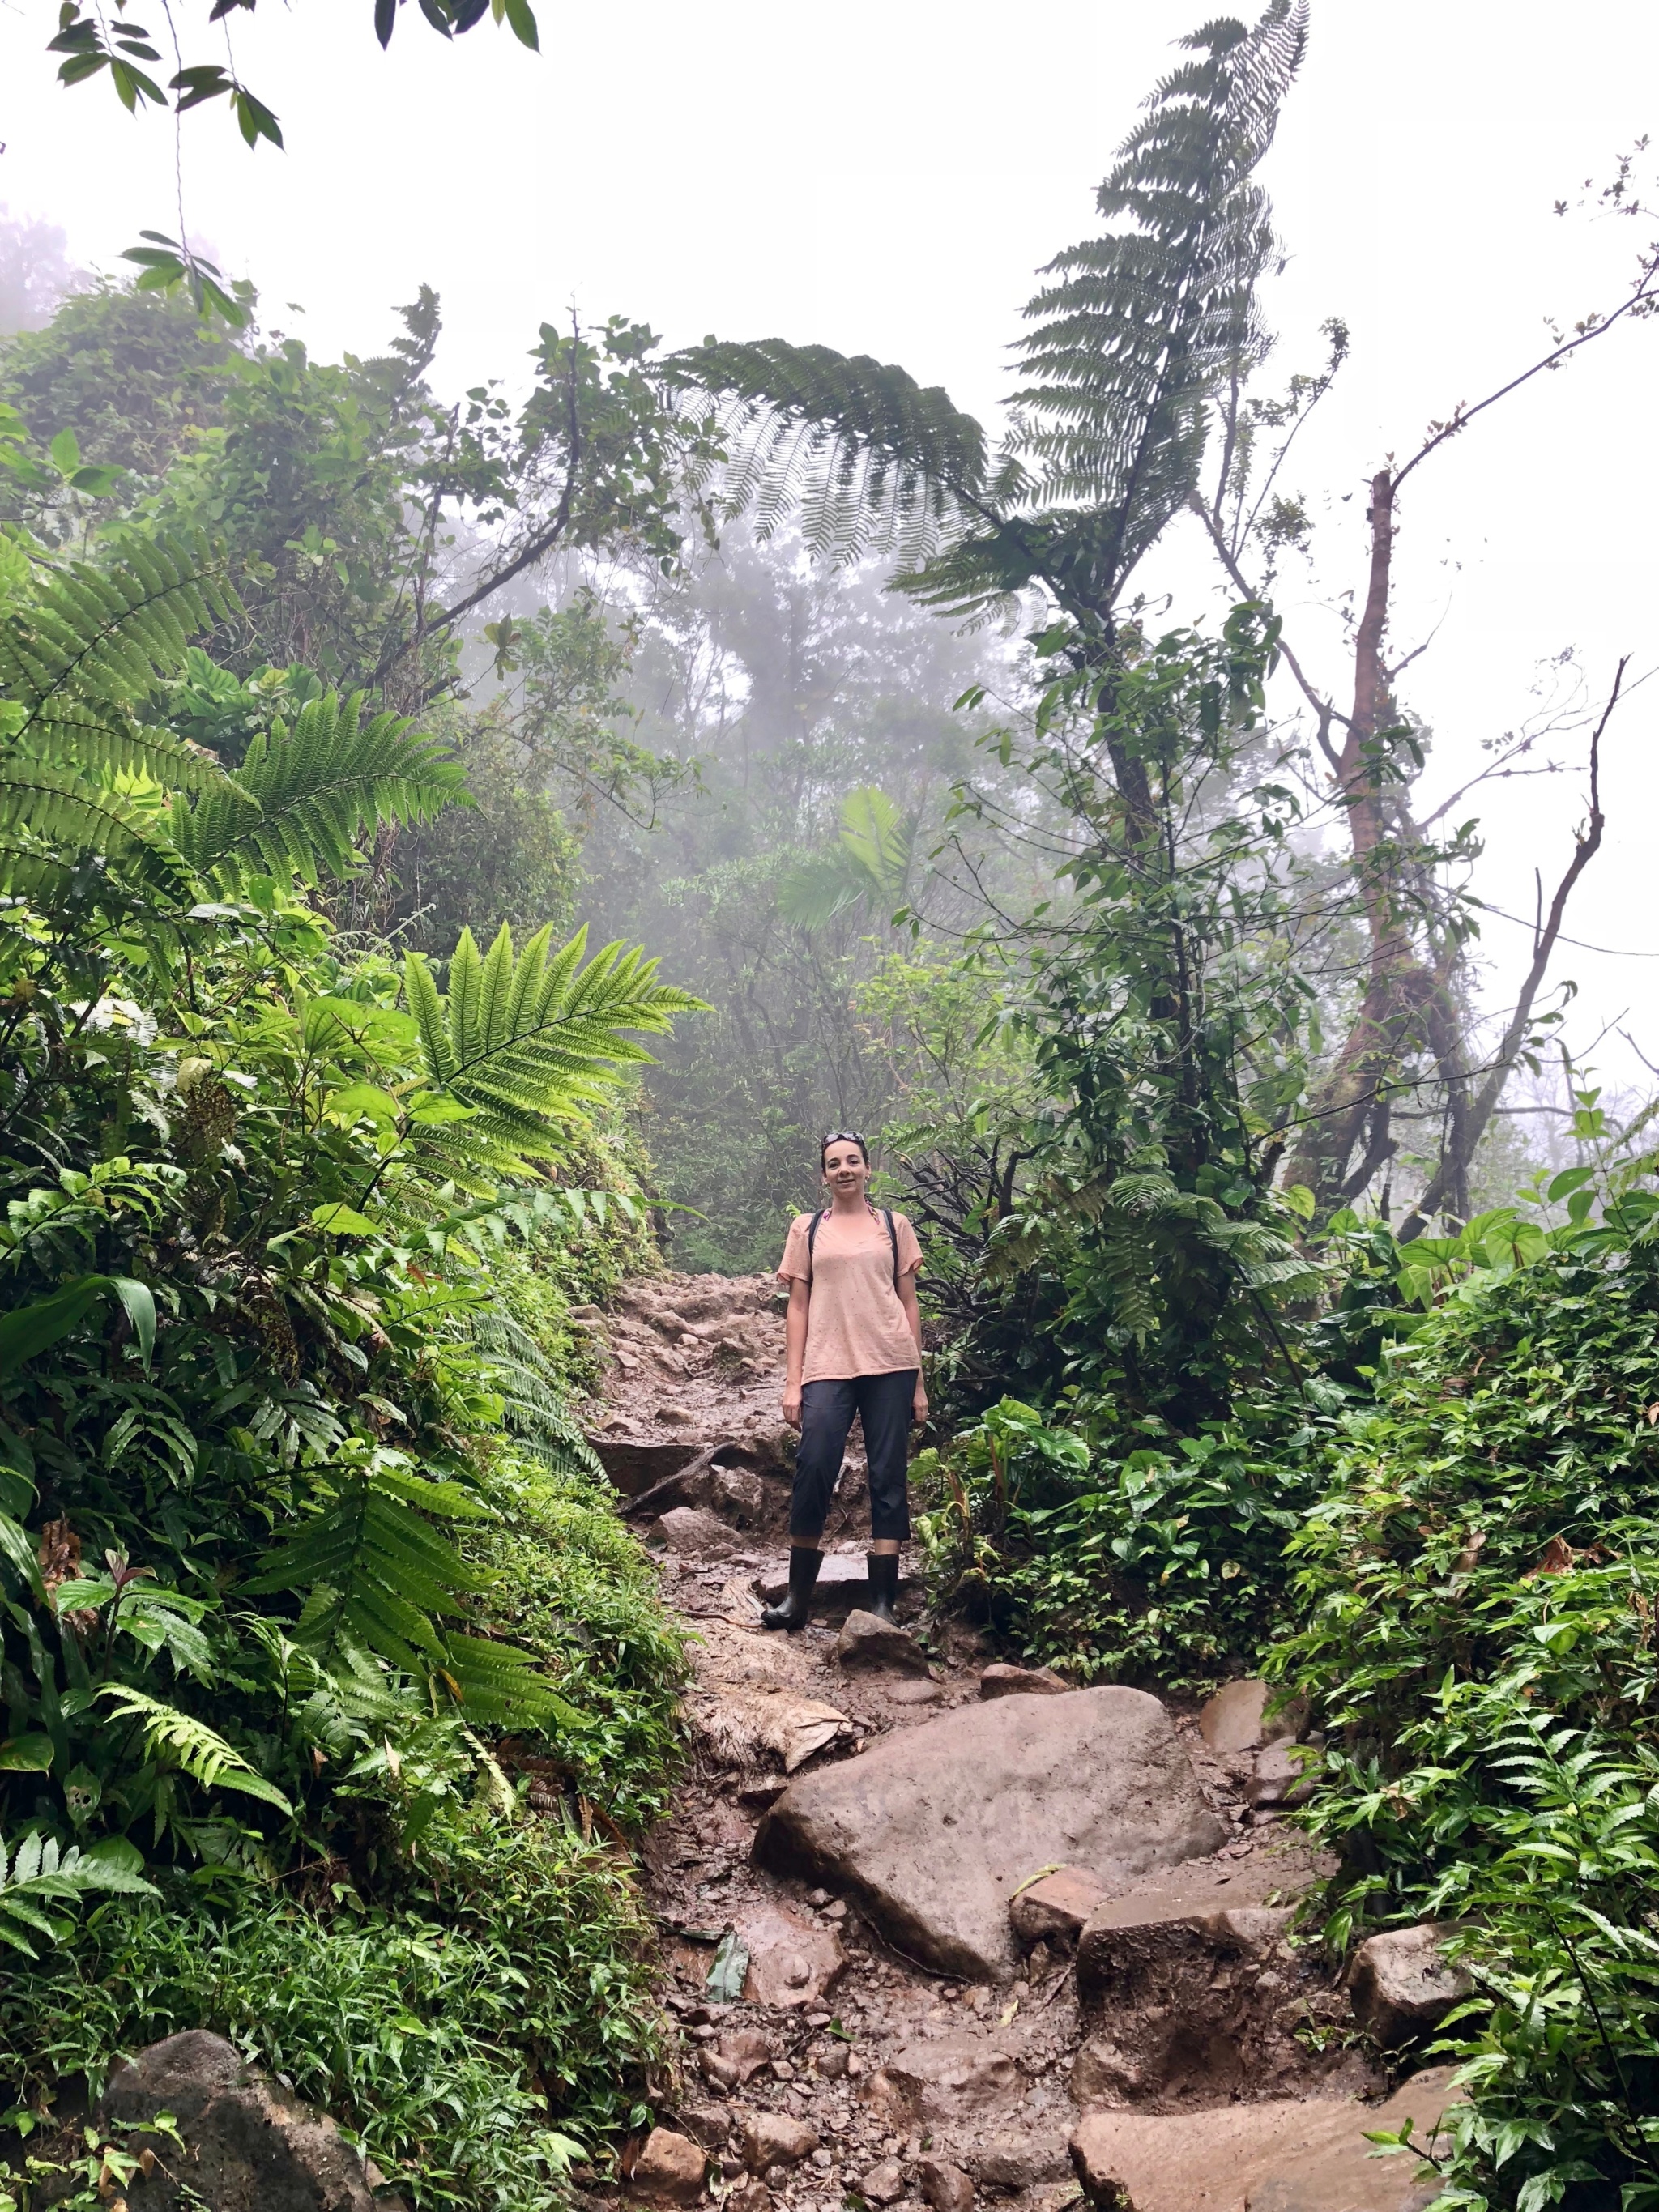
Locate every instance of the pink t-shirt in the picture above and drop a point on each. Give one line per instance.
(855, 1323)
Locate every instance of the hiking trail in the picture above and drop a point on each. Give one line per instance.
(940, 1930)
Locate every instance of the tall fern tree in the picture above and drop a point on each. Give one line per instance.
(1139, 328)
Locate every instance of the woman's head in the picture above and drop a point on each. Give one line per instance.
(844, 1160)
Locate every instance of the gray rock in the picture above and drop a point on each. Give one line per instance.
(670, 2168)
(251, 2146)
(932, 1830)
(1283, 1776)
(1403, 1985)
(1237, 1718)
(791, 1962)
(691, 1533)
(1104, 2075)
(952, 2077)
(866, 1641)
(1002, 1681)
(1021, 2161)
(911, 1692)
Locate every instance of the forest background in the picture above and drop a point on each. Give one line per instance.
(1066, 918)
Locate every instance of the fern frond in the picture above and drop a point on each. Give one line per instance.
(870, 460)
(40, 1873)
(377, 1572)
(304, 796)
(109, 636)
(525, 1041)
(201, 1751)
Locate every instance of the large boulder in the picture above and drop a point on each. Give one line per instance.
(933, 1829)
(1403, 1984)
(252, 2148)
(1294, 2155)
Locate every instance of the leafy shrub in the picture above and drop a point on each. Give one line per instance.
(1157, 1561)
(472, 2035)
(1477, 1590)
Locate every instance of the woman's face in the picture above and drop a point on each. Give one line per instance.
(846, 1170)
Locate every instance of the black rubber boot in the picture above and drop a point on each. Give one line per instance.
(883, 1582)
(805, 1560)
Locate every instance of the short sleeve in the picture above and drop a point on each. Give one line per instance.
(797, 1261)
(909, 1251)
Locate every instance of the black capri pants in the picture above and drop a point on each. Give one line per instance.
(884, 1403)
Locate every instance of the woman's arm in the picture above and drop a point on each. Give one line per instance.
(794, 1339)
(906, 1294)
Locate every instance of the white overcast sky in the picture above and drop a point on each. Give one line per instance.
(885, 178)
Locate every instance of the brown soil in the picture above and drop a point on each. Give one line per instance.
(689, 1426)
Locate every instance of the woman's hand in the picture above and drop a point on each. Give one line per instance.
(792, 1404)
(919, 1403)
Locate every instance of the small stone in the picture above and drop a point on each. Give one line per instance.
(1002, 1681)
(944, 2186)
(822, 2160)
(1057, 1906)
(837, 1911)
(721, 2071)
(883, 2184)
(866, 1641)
(1403, 1984)
(776, 2177)
(782, 2070)
(912, 1694)
(744, 2050)
(791, 1960)
(671, 2167)
(750, 2196)
(1009, 2162)
(831, 2063)
(732, 2167)
(772, 2139)
(708, 2125)
(818, 1898)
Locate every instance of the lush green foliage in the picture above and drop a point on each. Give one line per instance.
(291, 1504)
(1477, 1587)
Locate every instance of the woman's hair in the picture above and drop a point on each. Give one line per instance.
(842, 1137)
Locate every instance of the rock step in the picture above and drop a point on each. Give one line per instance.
(1285, 2156)
(932, 1831)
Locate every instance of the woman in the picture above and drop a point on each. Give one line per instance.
(853, 1338)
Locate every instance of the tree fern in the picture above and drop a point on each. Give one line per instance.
(303, 796)
(870, 864)
(1138, 329)
(524, 1041)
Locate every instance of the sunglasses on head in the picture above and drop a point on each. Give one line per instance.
(842, 1137)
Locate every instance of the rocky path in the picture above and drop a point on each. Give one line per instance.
(939, 1929)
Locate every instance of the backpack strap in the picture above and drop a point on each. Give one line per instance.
(892, 1238)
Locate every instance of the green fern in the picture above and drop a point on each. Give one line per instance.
(196, 1749)
(376, 1573)
(41, 1874)
(870, 864)
(304, 797)
(1139, 327)
(524, 1042)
